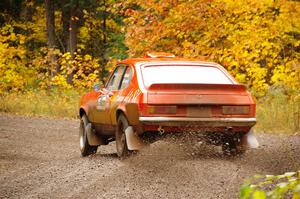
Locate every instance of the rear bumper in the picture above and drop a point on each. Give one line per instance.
(204, 122)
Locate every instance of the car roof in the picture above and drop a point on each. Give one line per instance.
(176, 60)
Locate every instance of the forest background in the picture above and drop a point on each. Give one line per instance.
(53, 51)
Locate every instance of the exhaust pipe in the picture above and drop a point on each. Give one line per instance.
(249, 140)
(161, 130)
(228, 129)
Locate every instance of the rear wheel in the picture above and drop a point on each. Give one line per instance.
(231, 146)
(121, 144)
(85, 148)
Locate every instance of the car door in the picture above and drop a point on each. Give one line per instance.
(120, 94)
(100, 114)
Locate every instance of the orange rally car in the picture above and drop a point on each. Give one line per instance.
(147, 98)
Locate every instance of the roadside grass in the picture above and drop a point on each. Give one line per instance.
(276, 113)
(58, 104)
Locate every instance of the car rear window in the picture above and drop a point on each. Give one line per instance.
(184, 74)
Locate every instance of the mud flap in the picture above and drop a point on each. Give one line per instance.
(93, 139)
(249, 140)
(132, 139)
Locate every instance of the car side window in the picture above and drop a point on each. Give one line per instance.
(115, 79)
(127, 78)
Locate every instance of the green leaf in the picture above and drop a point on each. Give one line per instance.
(269, 177)
(258, 176)
(282, 185)
(289, 174)
(245, 191)
(259, 195)
(297, 189)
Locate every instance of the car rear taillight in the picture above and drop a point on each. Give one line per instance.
(161, 109)
(236, 110)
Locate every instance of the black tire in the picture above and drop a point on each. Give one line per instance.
(85, 148)
(121, 144)
(231, 146)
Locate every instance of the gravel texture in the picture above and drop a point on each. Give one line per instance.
(40, 158)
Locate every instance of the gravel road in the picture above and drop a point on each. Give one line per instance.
(39, 158)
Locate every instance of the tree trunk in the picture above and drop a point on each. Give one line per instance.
(73, 31)
(50, 26)
(72, 47)
(103, 60)
(65, 18)
(50, 23)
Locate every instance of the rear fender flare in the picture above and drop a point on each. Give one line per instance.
(83, 110)
(131, 111)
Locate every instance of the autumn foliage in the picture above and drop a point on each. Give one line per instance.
(28, 63)
(258, 41)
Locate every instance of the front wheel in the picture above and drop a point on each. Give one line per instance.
(85, 148)
(121, 144)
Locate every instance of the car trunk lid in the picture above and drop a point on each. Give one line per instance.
(208, 94)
